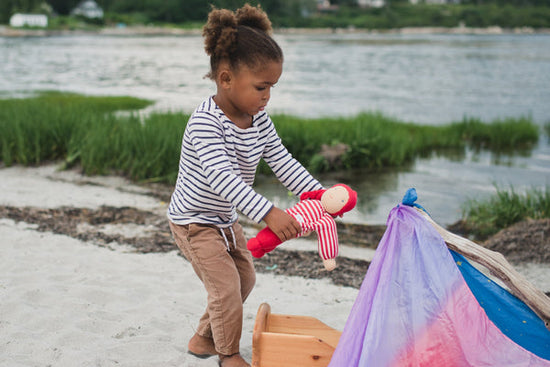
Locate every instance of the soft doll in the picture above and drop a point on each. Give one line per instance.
(315, 212)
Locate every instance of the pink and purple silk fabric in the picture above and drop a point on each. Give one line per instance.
(421, 304)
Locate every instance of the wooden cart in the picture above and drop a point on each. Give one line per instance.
(291, 341)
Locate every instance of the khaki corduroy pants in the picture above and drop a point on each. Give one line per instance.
(228, 277)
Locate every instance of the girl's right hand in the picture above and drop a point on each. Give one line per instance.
(282, 224)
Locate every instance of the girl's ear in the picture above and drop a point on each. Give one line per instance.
(225, 76)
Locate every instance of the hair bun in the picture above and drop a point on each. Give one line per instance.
(242, 37)
(253, 17)
(220, 31)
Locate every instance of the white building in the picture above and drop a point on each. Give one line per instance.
(30, 20)
(371, 3)
(435, 2)
(88, 9)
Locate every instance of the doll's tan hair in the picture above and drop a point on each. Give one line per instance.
(240, 37)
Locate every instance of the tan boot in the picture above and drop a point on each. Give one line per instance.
(201, 346)
(234, 360)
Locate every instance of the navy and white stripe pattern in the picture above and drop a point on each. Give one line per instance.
(218, 165)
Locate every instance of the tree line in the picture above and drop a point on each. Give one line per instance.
(303, 13)
(172, 11)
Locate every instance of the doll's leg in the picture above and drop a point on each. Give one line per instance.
(265, 241)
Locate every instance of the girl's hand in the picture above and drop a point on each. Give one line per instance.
(282, 224)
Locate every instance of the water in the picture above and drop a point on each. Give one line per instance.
(429, 79)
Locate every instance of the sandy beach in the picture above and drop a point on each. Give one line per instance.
(67, 302)
(71, 302)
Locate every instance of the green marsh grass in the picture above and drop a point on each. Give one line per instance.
(89, 132)
(483, 218)
(376, 141)
(142, 150)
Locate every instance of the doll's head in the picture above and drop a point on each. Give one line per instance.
(339, 199)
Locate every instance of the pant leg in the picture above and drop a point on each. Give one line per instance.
(243, 261)
(228, 277)
(181, 237)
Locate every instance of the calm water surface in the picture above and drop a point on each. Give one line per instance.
(429, 79)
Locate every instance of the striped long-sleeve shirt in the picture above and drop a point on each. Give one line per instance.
(218, 164)
(313, 217)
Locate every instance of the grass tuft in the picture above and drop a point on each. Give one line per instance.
(483, 218)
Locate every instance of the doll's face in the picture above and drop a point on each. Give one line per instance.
(334, 199)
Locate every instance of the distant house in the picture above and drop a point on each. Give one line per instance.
(29, 20)
(88, 9)
(371, 3)
(324, 6)
(435, 2)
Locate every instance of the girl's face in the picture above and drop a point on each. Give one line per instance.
(248, 90)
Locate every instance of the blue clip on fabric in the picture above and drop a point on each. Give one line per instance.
(410, 198)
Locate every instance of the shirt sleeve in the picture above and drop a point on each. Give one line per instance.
(292, 174)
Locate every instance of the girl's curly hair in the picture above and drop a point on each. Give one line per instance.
(240, 37)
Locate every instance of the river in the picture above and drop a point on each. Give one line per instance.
(423, 78)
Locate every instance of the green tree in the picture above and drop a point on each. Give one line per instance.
(5, 11)
(63, 7)
(10, 7)
(349, 3)
(173, 11)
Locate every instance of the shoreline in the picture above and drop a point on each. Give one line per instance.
(110, 209)
(131, 31)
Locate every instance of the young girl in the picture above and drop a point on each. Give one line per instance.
(224, 140)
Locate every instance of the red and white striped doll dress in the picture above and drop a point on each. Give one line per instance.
(312, 217)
